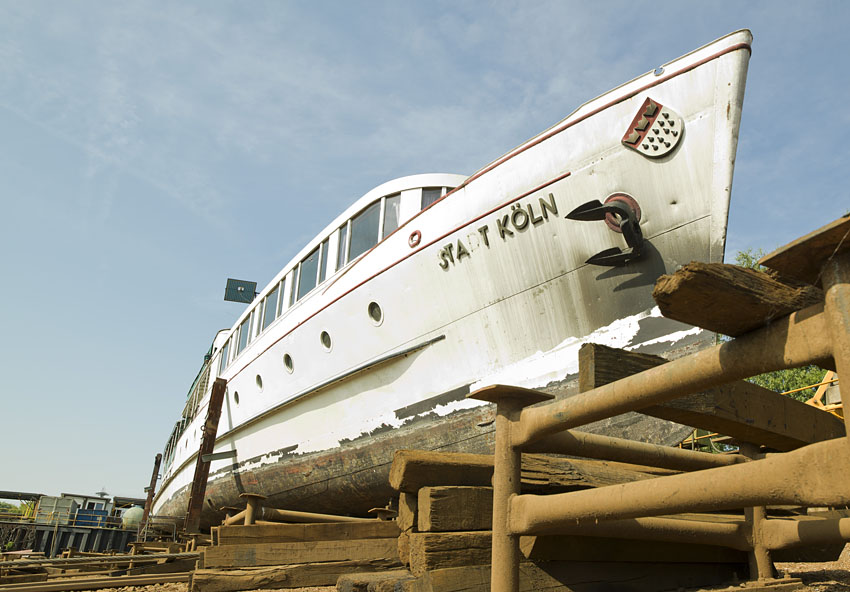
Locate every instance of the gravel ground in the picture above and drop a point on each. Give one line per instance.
(832, 576)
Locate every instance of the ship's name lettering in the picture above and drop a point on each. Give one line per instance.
(520, 218)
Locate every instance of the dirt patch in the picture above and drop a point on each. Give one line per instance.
(830, 576)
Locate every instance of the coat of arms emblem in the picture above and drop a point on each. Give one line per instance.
(655, 131)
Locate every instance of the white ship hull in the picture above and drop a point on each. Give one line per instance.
(487, 285)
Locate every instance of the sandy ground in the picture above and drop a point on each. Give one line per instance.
(833, 576)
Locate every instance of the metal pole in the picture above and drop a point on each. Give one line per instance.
(836, 285)
(761, 567)
(795, 340)
(822, 465)
(577, 443)
(504, 574)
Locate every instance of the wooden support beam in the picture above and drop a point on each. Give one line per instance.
(432, 551)
(438, 550)
(408, 510)
(255, 555)
(282, 576)
(151, 490)
(414, 469)
(559, 576)
(385, 581)
(293, 533)
(729, 299)
(443, 509)
(742, 410)
(803, 258)
(202, 469)
(96, 583)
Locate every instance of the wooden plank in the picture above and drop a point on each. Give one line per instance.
(729, 299)
(407, 510)
(23, 577)
(179, 565)
(302, 552)
(438, 550)
(96, 583)
(432, 550)
(286, 533)
(600, 576)
(386, 581)
(449, 508)
(589, 548)
(281, 576)
(404, 548)
(413, 469)
(742, 410)
(803, 258)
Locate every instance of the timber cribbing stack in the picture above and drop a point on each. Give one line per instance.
(772, 332)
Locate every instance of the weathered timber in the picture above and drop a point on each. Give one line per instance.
(291, 533)
(803, 258)
(431, 550)
(403, 546)
(448, 508)
(202, 468)
(314, 552)
(729, 299)
(408, 513)
(742, 410)
(385, 581)
(591, 548)
(281, 576)
(437, 550)
(583, 577)
(414, 469)
(96, 583)
(21, 578)
(181, 565)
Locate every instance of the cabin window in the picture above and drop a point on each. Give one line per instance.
(391, 209)
(244, 330)
(324, 261)
(270, 313)
(307, 273)
(430, 195)
(340, 260)
(223, 363)
(364, 231)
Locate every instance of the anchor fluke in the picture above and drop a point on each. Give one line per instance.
(621, 216)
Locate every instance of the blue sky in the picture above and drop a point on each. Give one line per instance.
(150, 150)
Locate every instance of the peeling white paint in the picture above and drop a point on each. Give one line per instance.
(562, 360)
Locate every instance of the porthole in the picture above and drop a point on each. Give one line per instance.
(236, 397)
(375, 313)
(326, 340)
(287, 363)
(259, 381)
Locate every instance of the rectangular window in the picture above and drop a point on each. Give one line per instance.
(271, 308)
(430, 195)
(391, 205)
(364, 230)
(244, 330)
(223, 364)
(325, 259)
(307, 273)
(340, 260)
